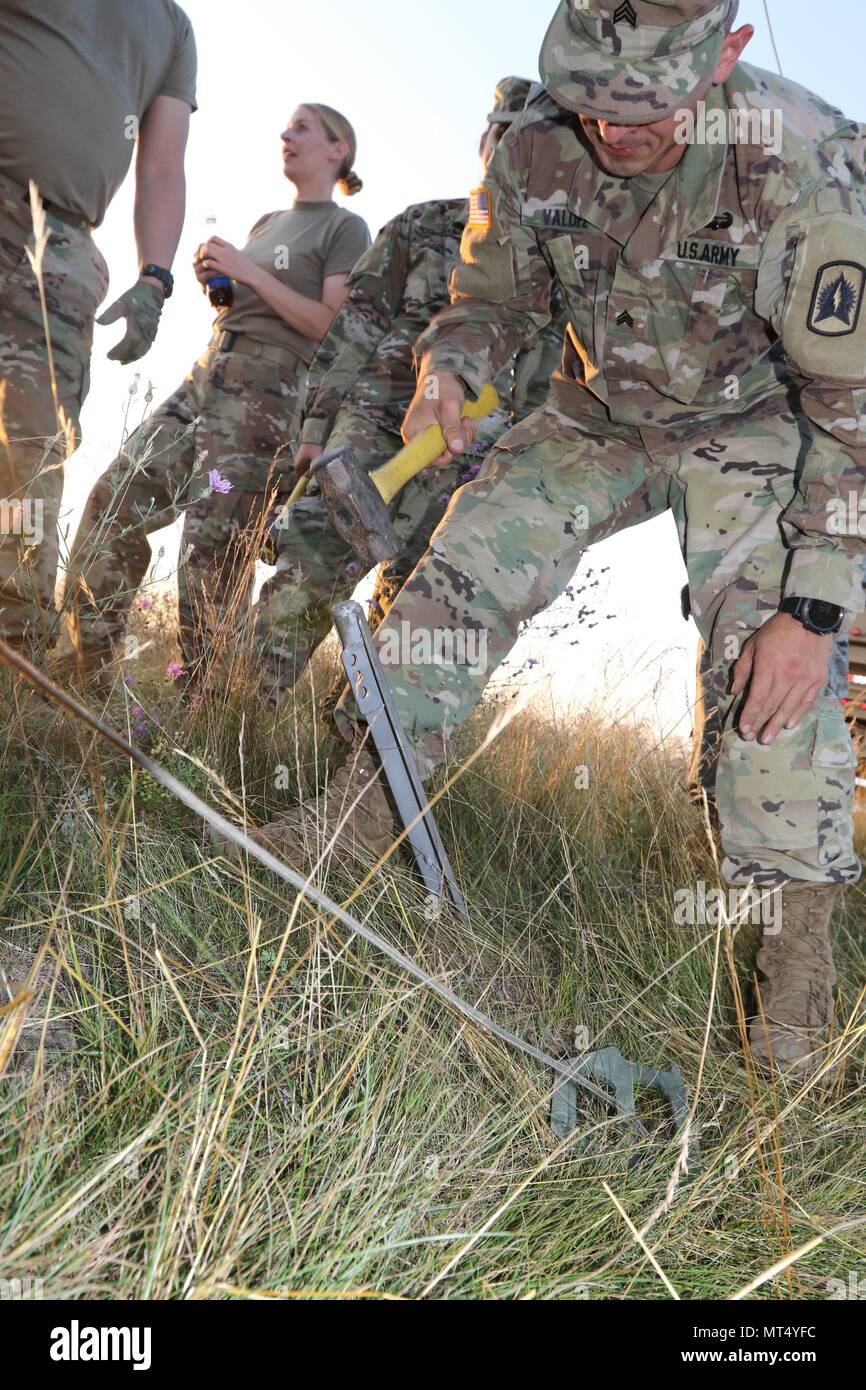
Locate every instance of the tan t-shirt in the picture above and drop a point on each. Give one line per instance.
(301, 247)
(75, 76)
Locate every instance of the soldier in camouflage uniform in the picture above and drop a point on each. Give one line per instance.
(75, 100)
(75, 92)
(208, 452)
(361, 382)
(715, 367)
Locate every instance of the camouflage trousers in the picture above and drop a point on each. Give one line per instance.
(316, 569)
(510, 543)
(37, 432)
(234, 414)
(708, 719)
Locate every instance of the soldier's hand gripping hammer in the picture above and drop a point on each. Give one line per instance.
(357, 501)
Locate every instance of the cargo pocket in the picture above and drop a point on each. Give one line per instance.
(76, 284)
(795, 795)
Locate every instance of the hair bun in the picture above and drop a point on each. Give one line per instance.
(350, 184)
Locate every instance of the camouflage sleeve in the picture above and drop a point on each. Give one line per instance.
(376, 287)
(500, 292)
(534, 365)
(811, 287)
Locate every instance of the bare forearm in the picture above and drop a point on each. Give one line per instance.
(310, 317)
(160, 203)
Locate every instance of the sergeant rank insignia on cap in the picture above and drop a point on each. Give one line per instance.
(479, 208)
(625, 14)
(837, 299)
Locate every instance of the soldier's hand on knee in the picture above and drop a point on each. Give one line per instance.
(785, 670)
(439, 400)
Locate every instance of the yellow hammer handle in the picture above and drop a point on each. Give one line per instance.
(424, 448)
(298, 490)
(392, 476)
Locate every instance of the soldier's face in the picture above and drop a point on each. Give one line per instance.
(306, 148)
(629, 150)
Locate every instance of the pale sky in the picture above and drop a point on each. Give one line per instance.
(417, 82)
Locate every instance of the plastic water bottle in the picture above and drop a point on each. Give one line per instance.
(220, 291)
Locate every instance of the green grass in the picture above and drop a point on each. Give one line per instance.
(262, 1105)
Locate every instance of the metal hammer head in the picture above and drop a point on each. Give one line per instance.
(355, 508)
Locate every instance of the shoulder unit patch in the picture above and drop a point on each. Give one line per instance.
(837, 299)
(820, 318)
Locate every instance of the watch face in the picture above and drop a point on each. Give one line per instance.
(824, 616)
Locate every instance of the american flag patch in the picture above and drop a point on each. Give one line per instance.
(479, 208)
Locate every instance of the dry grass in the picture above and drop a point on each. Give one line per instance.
(344, 1134)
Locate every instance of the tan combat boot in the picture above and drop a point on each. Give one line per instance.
(797, 994)
(304, 833)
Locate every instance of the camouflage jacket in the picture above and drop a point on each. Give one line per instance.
(741, 283)
(365, 361)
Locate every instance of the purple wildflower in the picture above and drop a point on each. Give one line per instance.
(174, 670)
(216, 482)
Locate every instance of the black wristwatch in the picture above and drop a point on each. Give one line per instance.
(158, 272)
(815, 615)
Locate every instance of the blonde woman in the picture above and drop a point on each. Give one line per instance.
(209, 449)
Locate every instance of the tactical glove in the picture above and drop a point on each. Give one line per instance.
(141, 307)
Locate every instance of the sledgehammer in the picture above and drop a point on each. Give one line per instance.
(357, 501)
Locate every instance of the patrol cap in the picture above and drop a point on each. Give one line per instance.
(632, 61)
(509, 100)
